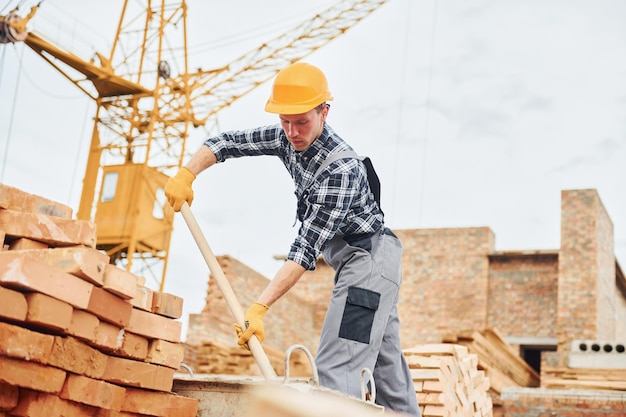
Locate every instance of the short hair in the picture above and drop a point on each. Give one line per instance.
(319, 107)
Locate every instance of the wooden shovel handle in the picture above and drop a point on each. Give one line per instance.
(231, 300)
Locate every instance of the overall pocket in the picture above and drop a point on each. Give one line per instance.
(358, 314)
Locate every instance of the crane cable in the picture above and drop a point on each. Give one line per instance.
(400, 121)
(4, 51)
(10, 128)
(11, 119)
(429, 85)
(15, 8)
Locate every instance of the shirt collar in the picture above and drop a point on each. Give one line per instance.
(317, 145)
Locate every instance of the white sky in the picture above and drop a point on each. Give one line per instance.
(475, 113)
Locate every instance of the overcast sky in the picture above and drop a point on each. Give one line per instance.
(474, 112)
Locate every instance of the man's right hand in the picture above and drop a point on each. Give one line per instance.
(178, 188)
(253, 323)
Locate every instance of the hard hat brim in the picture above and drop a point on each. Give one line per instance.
(300, 108)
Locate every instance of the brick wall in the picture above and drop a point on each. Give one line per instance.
(445, 282)
(288, 322)
(525, 402)
(620, 304)
(523, 293)
(587, 296)
(608, 294)
(454, 280)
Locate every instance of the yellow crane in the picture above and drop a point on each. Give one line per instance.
(147, 102)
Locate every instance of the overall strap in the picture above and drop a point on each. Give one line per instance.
(372, 177)
(332, 158)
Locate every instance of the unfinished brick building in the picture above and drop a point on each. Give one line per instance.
(563, 310)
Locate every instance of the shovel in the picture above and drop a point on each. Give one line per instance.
(231, 300)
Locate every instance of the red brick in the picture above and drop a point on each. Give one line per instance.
(83, 325)
(15, 199)
(48, 312)
(154, 326)
(18, 342)
(13, 305)
(143, 298)
(83, 262)
(31, 375)
(159, 404)
(108, 336)
(9, 396)
(138, 374)
(73, 355)
(17, 271)
(109, 307)
(126, 345)
(120, 282)
(114, 413)
(90, 391)
(24, 243)
(133, 346)
(166, 353)
(49, 229)
(38, 404)
(168, 305)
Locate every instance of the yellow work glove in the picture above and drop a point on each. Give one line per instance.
(178, 188)
(254, 325)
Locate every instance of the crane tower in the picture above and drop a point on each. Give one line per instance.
(147, 102)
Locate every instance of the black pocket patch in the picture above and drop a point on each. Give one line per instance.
(358, 314)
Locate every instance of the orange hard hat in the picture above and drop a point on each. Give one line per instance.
(298, 88)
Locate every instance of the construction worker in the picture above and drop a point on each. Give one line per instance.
(339, 218)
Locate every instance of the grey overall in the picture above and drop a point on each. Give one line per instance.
(361, 328)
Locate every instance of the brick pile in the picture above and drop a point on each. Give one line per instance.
(447, 381)
(78, 335)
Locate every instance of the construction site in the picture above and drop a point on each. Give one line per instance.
(89, 328)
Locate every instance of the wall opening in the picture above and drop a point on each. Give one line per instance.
(532, 354)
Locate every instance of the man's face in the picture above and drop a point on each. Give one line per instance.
(303, 129)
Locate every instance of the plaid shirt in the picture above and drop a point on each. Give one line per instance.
(338, 201)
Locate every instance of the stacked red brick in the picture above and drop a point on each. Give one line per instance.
(78, 335)
(447, 381)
